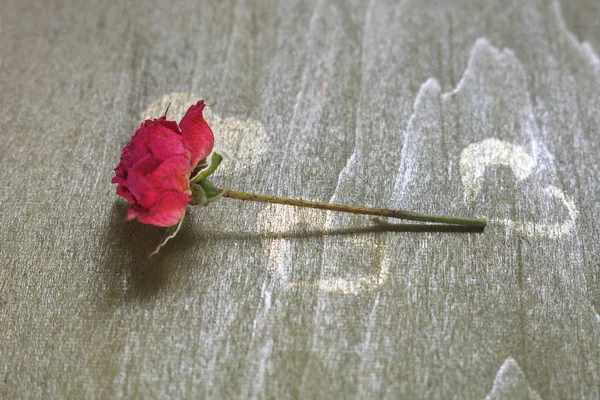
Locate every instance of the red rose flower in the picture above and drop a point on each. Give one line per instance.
(154, 172)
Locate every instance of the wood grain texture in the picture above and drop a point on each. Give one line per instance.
(474, 108)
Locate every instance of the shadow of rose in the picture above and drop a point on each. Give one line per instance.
(130, 274)
(128, 270)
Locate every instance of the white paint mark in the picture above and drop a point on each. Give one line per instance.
(352, 286)
(482, 46)
(590, 52)
(510, 383)
(476, 157)
(584, 47)
(429, 89)
(261, 325)
(296, 115)
(0, 34)
(279, 220)
(178, 103)
(551, 231)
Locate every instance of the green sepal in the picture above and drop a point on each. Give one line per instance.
(204, 193)
(215, 161)
(199, 197)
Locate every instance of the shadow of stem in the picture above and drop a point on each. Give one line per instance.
(295, 233)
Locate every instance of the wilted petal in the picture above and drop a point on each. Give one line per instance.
(172, 125)
(167, 211)
(124, 192)
(171, 175)
(197, 136)
(164, 143)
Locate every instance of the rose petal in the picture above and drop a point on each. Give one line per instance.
(135, 149)
(170, 175)
(163, 142)
(124, 192)
(146, 165)
(121, 171)
(172, 125)
(133, 212)
(197, 136)
(167, 211)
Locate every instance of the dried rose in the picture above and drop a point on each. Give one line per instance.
(154, 172)
(155, 176)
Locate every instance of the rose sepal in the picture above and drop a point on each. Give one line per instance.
(215, 161)
(204, 193)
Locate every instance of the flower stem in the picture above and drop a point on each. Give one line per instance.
(381, 212)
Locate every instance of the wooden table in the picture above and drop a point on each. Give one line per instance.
(475, 108)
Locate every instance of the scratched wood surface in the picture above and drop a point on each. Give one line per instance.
(474, 108)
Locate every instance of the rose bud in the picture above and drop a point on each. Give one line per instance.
(154, 172)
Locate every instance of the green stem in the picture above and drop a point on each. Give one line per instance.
(381, 212)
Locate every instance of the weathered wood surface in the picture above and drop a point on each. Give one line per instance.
(471, 108)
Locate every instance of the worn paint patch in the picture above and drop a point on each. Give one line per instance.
(511, 383)
(278, 221)
(474, 160)
(476, 157)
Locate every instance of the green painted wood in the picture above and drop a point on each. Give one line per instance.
(482, 109)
